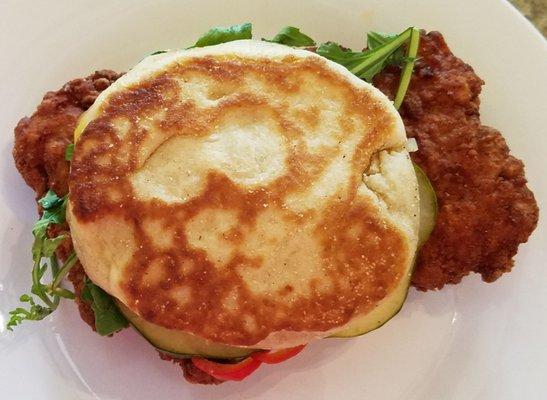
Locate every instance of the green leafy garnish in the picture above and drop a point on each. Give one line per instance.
(382, 50)
(158, 52)
(108, 319)
(335, 52)
(291, 36)
(52, 202)
(376, 39)
(69, 151)
(406, 74)
(221, 34)
(43, 256)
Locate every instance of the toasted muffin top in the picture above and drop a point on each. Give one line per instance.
(248, 193)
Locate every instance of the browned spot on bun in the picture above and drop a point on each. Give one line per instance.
(240, 257)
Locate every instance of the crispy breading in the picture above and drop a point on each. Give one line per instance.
(485, 208)
(41, 140)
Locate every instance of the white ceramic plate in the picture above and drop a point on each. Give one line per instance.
(471, 341)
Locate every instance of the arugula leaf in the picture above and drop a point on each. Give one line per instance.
(222, 34)
(54, 211)
(382, 50)
(375, 39)
(50, 200)
(43, 256)
(406, 73)
(50, 245)
(108, 319)
(157, 52)
(69, 151)
(335, 52)
(379, 56)
(35, 312)
(292, 36)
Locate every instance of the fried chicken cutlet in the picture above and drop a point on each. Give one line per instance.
(485, 208)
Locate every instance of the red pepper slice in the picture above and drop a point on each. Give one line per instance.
(277, 356)
(227, 372)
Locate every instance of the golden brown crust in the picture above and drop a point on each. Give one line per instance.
(485, 208)
(363, 255)
(41, 140)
